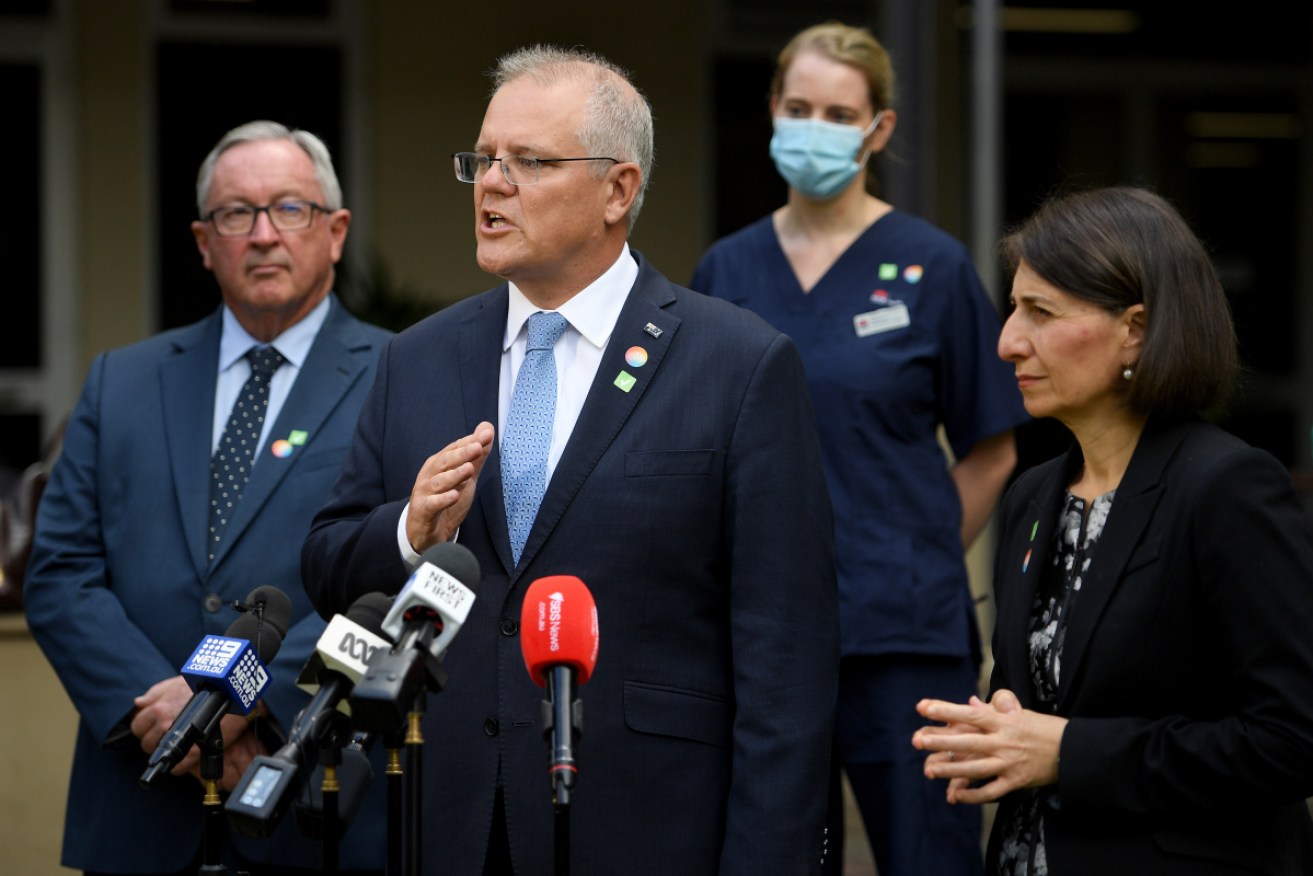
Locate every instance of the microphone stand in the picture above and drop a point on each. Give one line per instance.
(414, 786)
(400, 679)
(330, 758)
(211, 746)
(563, 722)
(333, 736)
(392, 741)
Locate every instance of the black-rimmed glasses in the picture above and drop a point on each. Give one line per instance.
(518, 170)
(238, 219)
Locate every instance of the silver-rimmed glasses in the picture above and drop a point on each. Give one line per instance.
(518, 170)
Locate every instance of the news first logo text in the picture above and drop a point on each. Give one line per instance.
(445, 591)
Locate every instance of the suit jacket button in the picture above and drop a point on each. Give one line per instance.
(213, 603)
(490, 726)
(509, 627)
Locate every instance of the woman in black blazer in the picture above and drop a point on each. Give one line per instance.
(1151, 707)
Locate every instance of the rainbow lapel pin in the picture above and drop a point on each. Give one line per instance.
(284, 447)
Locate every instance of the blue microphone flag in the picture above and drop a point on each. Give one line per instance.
(230, 664)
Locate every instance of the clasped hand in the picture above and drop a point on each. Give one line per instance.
(986, 750)
(157, 709)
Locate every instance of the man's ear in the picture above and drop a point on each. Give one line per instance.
(339, 222)
(624, 180)
(201, 232)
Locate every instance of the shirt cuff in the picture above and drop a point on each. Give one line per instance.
(408, 555)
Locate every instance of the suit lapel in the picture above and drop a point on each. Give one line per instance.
(617, 389)
(480, 343)
(1128, 521)
(332, 366)
(187, 391)
(1021, 564)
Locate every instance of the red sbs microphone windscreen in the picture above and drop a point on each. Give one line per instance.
(558, 627)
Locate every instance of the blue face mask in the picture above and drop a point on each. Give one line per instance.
(818, 158)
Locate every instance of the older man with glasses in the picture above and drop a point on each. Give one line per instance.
(191, 468)
(587, 417)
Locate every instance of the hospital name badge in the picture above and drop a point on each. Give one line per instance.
(895, 316)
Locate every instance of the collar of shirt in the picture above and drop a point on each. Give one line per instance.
(592, 315)
(294, 343)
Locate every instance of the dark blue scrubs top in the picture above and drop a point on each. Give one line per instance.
(897, 338)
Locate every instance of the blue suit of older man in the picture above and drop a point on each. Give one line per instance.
(120, 589)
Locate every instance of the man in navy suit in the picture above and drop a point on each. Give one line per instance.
(127, 576)
(682, 483)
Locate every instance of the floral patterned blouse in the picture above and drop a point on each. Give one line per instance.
(1021, 852)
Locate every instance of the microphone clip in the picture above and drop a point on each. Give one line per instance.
(256, 608)
(548, 714)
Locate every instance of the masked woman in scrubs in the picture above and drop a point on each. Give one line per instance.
(897, 337)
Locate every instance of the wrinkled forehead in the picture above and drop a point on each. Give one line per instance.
(264, 168)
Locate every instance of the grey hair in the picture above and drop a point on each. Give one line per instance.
(253, 132)
(617, 117)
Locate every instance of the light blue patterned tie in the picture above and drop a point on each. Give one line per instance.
(529, 429)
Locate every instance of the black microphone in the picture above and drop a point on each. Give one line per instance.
(270, 605)
(340, 659)
(426, 615)
(225, 671)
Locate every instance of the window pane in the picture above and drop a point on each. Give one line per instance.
(20, 444)
(20, 223)
(236, 80)
(252, 8)
(1267, 32)
(32, 8)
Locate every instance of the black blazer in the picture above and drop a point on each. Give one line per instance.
(1188, 663)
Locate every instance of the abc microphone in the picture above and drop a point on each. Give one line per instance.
(225, 672)
(424, 618)
(338, 662)
(558, 633)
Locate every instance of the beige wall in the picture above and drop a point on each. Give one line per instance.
(113, 190)
(424, 91)
(36, 752)
(428, 95)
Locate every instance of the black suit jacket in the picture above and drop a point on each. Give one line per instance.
(694, 507)
(1187, 671)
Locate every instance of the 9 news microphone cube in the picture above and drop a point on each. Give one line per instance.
(231, 665)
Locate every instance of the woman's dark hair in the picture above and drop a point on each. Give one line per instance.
(1121, 246)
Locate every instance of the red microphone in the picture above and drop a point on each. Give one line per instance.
(558, 633)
